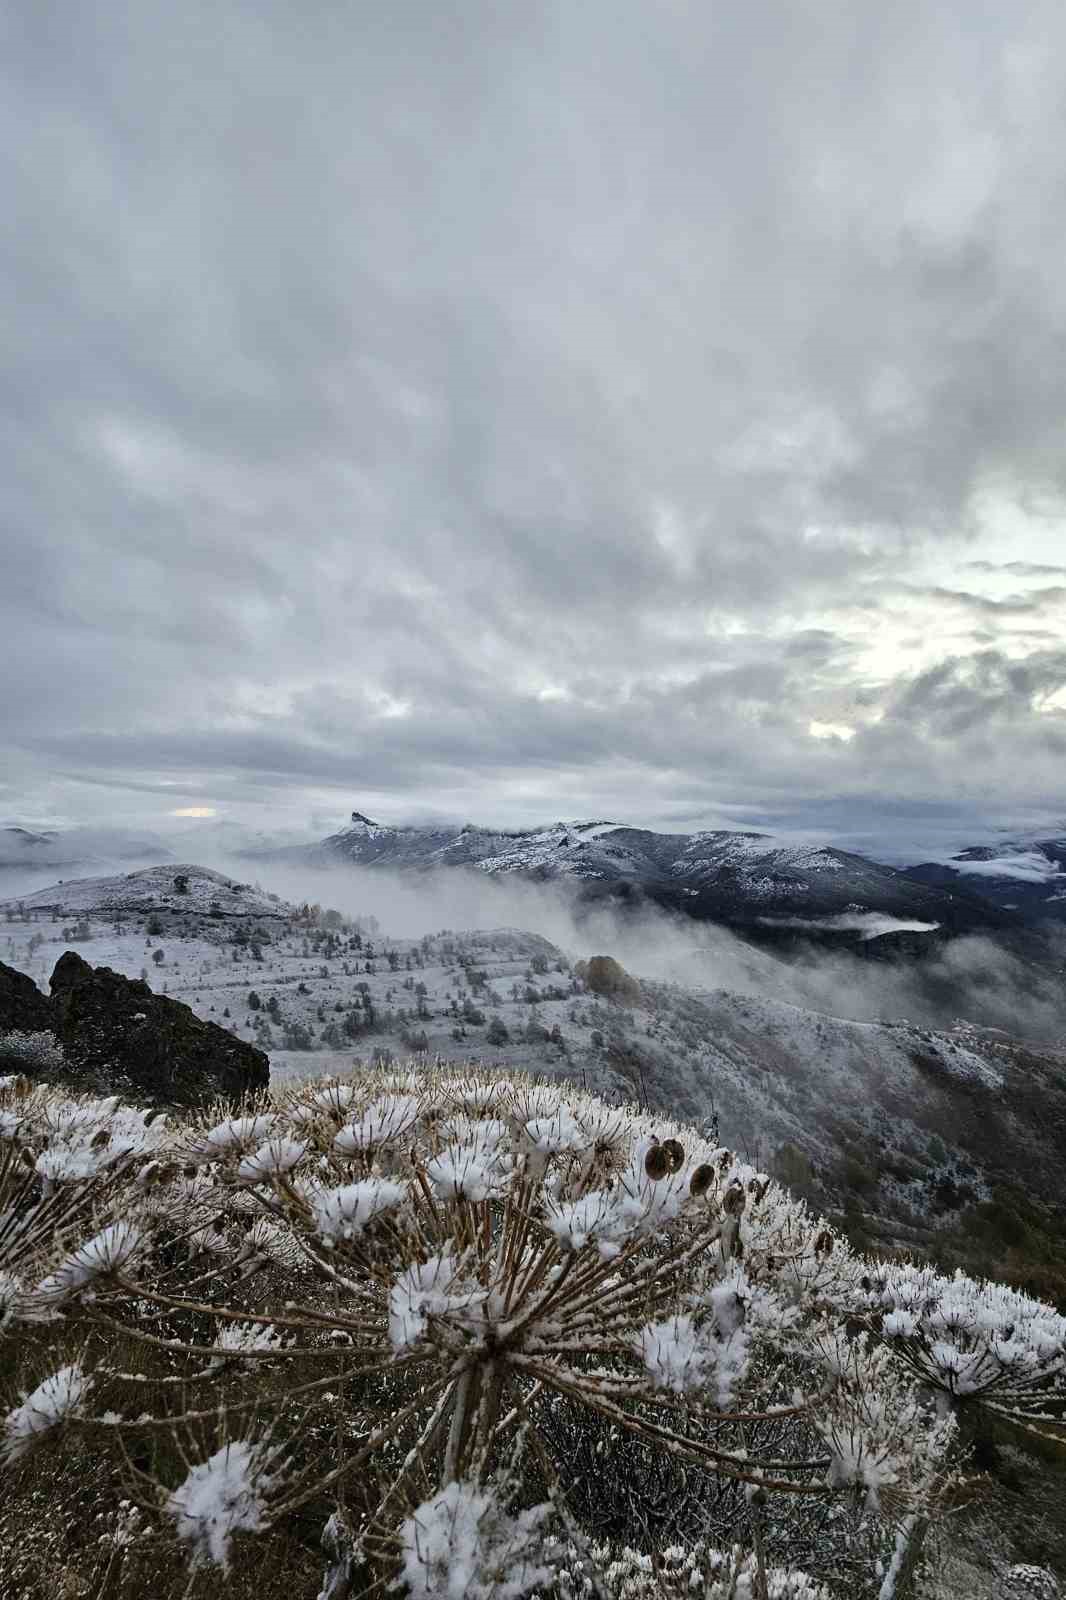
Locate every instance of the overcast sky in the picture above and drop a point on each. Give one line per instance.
(624, 408)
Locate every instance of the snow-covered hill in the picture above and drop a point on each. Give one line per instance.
(174, 890)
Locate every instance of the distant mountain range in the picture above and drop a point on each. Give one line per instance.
(781, 891)
(1026, 878)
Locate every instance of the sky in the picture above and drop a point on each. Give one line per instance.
(653, 411)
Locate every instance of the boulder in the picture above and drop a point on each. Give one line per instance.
(115, 1031)
(23, 1008)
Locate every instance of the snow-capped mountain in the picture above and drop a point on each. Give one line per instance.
(739, 878)
(1027, 877)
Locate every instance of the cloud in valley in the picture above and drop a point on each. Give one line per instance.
(651, 412)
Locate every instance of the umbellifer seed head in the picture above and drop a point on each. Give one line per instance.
(701, 1180)
(675, 1152)
(657, 1162)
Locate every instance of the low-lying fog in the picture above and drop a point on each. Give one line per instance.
(975, 978)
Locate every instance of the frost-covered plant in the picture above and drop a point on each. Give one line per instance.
(680, 1572)
(434, 1269)
(974, 1343)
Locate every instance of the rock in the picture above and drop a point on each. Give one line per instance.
(23, 1008)
(115, 1031)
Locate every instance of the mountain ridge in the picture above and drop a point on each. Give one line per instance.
(740, 878)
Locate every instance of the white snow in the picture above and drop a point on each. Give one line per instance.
(221, 1496)
(60, 1396)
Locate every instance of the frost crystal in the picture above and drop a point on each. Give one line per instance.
(220, 1497)
(343, 1213)
(104, 1254)
(10, 1297)
(59, 1397)
(241, 1338)
(464, 1545)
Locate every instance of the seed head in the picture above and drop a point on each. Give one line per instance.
(675, 1153)
(701, 1180)
(657, 1162)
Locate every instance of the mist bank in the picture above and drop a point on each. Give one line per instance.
(995, 979)
(988, 979)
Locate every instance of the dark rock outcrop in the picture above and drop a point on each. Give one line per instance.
(118, 1037)
(23, 1008)
(107, 1022)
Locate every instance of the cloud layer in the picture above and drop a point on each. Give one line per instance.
(650, 411)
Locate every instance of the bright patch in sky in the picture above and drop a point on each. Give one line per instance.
(194, 811)
(830, 730)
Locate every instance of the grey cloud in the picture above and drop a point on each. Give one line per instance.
(443, 359)
(1017, 569)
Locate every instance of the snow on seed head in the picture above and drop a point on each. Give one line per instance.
(334, 1099)
(421, 1291)
(383, 1122)
(465, 1543)
(674, 1354)
(471, 1172)
(221, 1496)
(272, 1160)
(344, 1212)
(105, 1254)
(556, 1132)
(60, 1397)
(234, 1134)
